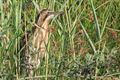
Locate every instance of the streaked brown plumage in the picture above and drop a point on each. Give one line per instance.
(40, 36)
(35, 42)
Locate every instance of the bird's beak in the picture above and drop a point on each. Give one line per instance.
(59, 13)
(55, 14)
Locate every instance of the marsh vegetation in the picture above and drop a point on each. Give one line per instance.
(84, 43)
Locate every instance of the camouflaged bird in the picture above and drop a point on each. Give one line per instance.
(35, 42)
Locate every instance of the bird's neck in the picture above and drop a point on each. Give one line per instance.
(45, 25)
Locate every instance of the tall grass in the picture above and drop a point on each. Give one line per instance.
(84, 42)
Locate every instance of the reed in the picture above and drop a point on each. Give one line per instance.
(82, 44)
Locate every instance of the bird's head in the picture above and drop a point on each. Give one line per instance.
(45, 16)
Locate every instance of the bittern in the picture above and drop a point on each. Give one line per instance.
(35, 42)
